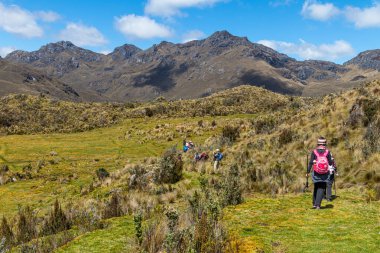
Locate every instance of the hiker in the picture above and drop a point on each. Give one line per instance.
(218, 156)
(200, 157)
(332, 172)
(320, 161)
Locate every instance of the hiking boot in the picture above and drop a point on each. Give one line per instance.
(314, 207)
(318, 207)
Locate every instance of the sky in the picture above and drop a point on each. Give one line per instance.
(304, 29)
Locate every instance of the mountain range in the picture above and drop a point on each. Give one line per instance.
(176, 71)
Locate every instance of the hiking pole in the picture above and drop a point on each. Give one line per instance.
(307, 178)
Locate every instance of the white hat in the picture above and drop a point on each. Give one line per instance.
(321, 141)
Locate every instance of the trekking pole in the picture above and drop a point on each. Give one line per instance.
(307, 178)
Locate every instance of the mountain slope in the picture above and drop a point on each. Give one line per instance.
(17, 78)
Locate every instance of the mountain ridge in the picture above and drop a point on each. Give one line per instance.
(192, 69)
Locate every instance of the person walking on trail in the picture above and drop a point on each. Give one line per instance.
(218, 156)
(320, 162)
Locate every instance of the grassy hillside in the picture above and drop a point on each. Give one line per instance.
(265, 138)
(22, 114)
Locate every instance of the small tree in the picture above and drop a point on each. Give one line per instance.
(113, 207)
(170, 168)
(138, 227)
(232, 189)
(26, 225)
(56, 221)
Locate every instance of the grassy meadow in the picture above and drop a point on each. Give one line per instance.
(257, 208)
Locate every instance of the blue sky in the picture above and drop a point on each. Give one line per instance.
(311, 29)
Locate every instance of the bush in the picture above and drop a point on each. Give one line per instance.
(149, 112)
(264, 125)
(26, 225)
(286, 136)
(6, 233)
(56, 221)
(230, 133)
(113, 208)
(102, 174)
(232, 190)
(170, 168)
(370, 108)
(139, 177)
(372, 139)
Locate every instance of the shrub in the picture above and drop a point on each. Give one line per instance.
(370, 108)
(113, 208)
(264, 125)
(6, 233)
(26, 225)
(170, 168)
(286, 136)
(139, 177)
(138, 227)
(102, 174)
(149, 112)
(232, 190)
(372, 139)
(230, 133)
(56, 221)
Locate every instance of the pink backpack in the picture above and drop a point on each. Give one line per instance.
(321, 165)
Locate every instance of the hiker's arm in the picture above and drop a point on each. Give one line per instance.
(312, 158)
(329, 158)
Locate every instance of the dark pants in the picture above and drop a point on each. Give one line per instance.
(329, 187)
(319, 192)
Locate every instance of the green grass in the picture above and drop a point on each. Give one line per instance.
(80, 154)
(288, 224)
(117, 237)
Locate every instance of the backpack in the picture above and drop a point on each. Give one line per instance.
(321, 165)
(219, 156)
(185, 148)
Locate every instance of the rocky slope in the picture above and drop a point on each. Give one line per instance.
(18, 78)
(189, 70)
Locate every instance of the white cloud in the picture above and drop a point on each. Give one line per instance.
(314, 10)
(82, 35)
(6, 50)
(168, 8)
(18, 21)
(193, 35)
(308, 51)
(141, 27)
(363, 18)
(47, 16)
(105, 52)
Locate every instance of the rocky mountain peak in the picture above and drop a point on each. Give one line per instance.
(58, 47)
(126, 51)
(226, 39)
(366, 60)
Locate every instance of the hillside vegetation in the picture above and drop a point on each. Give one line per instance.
(123, 189)
(23, 114)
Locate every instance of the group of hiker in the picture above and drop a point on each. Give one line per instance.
(203, 156)
(322, 167)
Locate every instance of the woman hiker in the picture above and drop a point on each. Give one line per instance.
(320, 163)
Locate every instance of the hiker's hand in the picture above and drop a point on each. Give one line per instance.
(307, 174)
